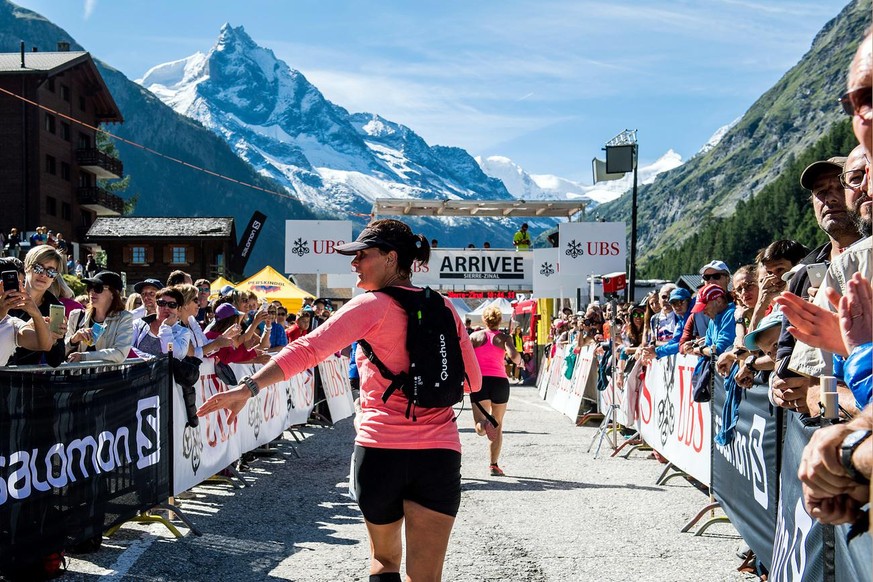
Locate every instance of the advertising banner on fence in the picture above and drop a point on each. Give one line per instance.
(744, 471)
(495, 268)
(592, 248)
(566, 396)
(79, 453)
(803, 548)
(670, 421)
(547, 279)
(310, 244)
(214, 444)
(556, 368)
(334, 374)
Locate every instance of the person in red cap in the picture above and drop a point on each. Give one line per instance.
(721, 331)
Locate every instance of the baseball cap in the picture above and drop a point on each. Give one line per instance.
(770, 321)
(226, 310)
(367, 239)
(709, 293)
(680, 294)
(716, 266)
(816, 169)
(146, 283)
(107, 278)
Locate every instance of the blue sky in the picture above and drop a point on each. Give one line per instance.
(544, 82)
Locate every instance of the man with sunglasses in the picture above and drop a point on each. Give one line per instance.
(716, 273)
(204, 290)
(148, 290)
(153, 334)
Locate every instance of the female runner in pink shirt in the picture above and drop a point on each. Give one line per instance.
(405, 469)
(491, 346)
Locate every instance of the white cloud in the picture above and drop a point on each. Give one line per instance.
(90, 6)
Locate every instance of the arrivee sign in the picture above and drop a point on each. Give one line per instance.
(475, 267)
(592, 247)
(310, 246)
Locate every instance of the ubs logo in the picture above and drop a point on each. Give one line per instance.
(300, 247)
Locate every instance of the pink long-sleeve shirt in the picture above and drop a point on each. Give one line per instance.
(381, 321)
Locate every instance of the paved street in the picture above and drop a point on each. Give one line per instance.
(558, 515)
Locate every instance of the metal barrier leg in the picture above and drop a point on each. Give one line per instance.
(182, 517)
(710, 507)
(633, 439)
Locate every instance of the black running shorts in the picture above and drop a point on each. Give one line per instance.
(384, 478)
(494, 389)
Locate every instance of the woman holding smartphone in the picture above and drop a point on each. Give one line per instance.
(42, 266)
(104, 331)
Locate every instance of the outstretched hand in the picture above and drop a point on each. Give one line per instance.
(811, 324)
(233, 400)
(856, 313)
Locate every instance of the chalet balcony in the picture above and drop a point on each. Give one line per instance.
(103, 166)
(100, 201)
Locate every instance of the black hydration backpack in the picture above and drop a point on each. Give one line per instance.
(436, 374)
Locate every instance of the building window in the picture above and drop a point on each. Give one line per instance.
(51, 85)
(65, 130)
(84, 141)
(51, 206)
(81, 103)
(66, 211)
(51, 165)
(49, 123)
(65, 93)
(65, 171)
(179, 255)
(138, 255)
(85, 180)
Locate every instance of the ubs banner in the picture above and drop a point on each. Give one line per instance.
(202, 451)
(744, 471)
(79, 453)
(592, 248)
(804, 549)
(310, 244)
(495, 268)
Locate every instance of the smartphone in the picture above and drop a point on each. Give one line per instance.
(816, 273)
(96, 331)
(10, 281)
(56, 318)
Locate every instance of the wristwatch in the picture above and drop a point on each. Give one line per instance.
(249, 383)
(847, 449)
(750, 363)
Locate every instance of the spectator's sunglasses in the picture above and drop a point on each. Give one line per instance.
(713, 276)
(48, 272)
(206, 290)
(170, 304)
(638, 315)
(858, 102)
(97, 287)
(282, 313)
(272, 312)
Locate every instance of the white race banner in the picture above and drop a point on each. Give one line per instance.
(592, 248)
(543, 376)
(490, 267)
(586, 365)
(214, 444)
(310, 244)
(547, 278)
(670, 421)
(334, 373)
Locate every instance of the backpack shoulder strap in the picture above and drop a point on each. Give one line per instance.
(397, 380)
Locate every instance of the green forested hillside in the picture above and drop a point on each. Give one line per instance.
(782, 209)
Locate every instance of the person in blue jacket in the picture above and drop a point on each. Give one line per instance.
(721, 330)
(682, 303)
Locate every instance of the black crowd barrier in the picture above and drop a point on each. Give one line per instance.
(745, 472)
(81, 450)
(754, 478)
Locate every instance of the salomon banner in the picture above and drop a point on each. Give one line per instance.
(670, 421)
(247, 241)
(202, 451)
(803, 548)
(491, 268)
(744, 470)
(79, 452)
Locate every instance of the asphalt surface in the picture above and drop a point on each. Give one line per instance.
(559, 514)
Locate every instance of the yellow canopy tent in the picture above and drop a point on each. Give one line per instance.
(216, 286)
(270, 284)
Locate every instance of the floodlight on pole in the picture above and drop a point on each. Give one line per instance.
(621, 157)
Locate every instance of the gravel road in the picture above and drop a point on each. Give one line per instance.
(559, 514)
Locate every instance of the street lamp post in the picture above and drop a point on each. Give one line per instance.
(622, 154)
